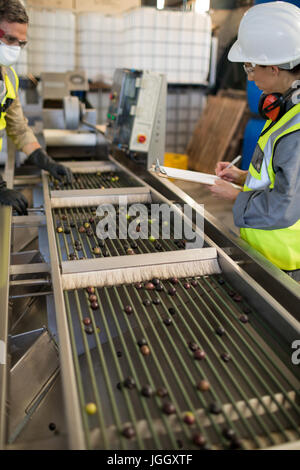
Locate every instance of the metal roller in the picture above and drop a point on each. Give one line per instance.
(71, 112)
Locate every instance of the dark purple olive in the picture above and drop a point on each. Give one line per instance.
(142, 342)
(244, 318)
(147, 302)
(162, 392)
(235, 444)
(138, 285)
(94, 305)
(133, 245)
(247, 310)
(189, 418)
(194, 283)
(119, 353)
(156, 301)
(220, 330)
(229, 433)
(89, 330)
(128, 309)
(172, 311)
(129, 383)
(215, 408)
(168, 321)
(199, 440)
(172, 291)
(168, 408)
(174, 280)
(199, 355)
(129, 432)
(159, 288)
(147, 391)
(225, 356)
(155, 281)
(193, 346)
(67, 231)
(237, 298)
(87, 321)
(187, 285)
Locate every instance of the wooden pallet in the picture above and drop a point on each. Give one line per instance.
(214, 132)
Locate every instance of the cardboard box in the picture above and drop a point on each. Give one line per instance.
(51, 4)
(107, 7)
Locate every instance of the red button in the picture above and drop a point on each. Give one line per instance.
(141, 139)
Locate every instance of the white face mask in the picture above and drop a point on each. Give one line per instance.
(9, 55)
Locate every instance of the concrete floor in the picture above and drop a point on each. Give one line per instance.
(220, 209)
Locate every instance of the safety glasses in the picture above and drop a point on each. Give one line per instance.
(249, 68)
(12, 40)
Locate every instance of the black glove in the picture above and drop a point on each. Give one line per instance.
(10, 197)
(40, 159)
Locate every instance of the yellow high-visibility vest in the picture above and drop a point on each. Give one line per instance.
(11, 86)
(280, 246)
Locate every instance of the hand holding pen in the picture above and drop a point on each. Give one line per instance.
(228, 172)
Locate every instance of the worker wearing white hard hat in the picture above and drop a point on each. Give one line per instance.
(267, 209)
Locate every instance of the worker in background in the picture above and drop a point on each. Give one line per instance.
(13, 32)
(267, 210)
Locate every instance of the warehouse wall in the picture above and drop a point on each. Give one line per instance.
(174, 43)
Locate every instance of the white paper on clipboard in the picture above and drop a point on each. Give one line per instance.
(186, 175)
(193, 176)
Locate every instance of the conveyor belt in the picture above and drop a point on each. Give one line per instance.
(253, 396)
(257, 394)
(98, 180)
(78, 230)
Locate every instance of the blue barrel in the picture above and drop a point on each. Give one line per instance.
(294, 2)
(253, 95)
(251, 135)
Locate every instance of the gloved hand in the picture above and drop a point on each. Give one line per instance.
(40, 159)
(10, 197)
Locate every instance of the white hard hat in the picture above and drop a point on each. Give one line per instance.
(269, 34)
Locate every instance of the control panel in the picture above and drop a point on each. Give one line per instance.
(137, 114)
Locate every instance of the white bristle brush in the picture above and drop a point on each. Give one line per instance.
(91, 167)
(87, 198)
(106, 272)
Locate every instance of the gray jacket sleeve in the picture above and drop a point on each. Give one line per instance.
(276, 208)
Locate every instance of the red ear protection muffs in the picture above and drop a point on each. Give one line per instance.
(273, 106)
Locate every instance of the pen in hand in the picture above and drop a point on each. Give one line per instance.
(237, 159)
